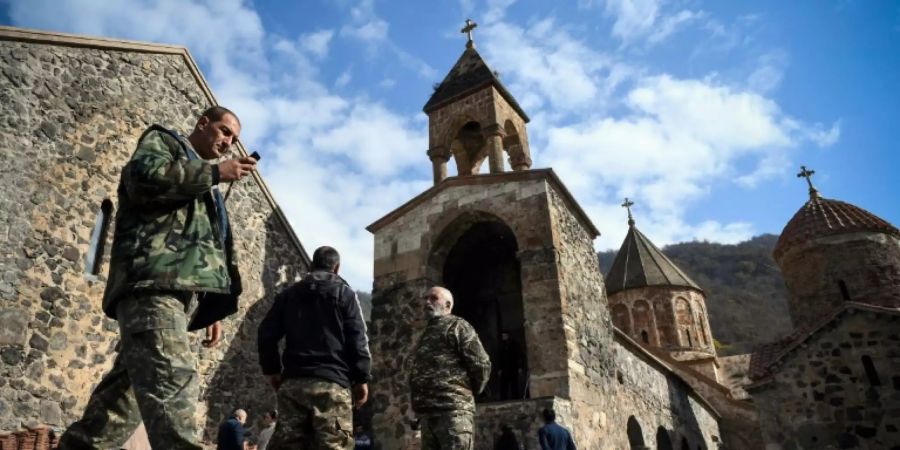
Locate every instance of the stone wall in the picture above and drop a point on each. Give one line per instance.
(666, 325)
(575, 364)
(71, 114)
(657, 398)
(822, 396)
(866, 263)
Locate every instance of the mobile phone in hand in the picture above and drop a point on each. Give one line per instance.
(255, 155)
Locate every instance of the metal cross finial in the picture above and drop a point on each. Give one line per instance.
(470, 25)
(806, 173)
(627, 205)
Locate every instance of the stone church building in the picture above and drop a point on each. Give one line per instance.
(627, 363)
(835, 381)
(517, 251)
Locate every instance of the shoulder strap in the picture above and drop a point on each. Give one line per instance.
(188, 152)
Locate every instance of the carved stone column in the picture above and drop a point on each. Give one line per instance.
(494, 136)
(439, 158)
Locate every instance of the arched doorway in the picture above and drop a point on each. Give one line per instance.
(635, 434)
(663, 441)
(483, 273)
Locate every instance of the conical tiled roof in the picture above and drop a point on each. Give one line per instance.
(639, 264)
(823, 217)
(469, 74)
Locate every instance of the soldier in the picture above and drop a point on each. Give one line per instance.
(449, 368)
(326, 352)
(172, 270)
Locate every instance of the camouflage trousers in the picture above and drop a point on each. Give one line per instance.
(153, 378)
(453, 430)
(313, 414)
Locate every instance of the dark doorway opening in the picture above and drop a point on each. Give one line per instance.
(483, 273)
(635, 434)
(663, 441)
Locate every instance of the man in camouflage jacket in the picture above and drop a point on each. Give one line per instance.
(172, 269)
(449, 368)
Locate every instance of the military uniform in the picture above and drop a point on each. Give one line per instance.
(450, 366)
(172, 269)
(326, 351)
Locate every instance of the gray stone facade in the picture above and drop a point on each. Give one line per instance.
(71, 110)
(823, 395)
(574, 361)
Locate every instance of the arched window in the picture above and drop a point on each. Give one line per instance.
(94, 257)
(645, 337)
(684, 444)
(663, 442)
(635, 435)
(845, 294)
(871, 373)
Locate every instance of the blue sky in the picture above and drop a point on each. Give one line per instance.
(702, 112)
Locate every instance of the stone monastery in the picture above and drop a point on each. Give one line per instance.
(627, 362)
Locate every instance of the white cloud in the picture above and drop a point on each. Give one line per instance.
(365, 24)
(331, 161)
(644, 19)
(343, 79)
(317, 42)
(770, 67)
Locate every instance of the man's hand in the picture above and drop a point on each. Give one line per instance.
(274, 380)
(360, 395)
(213, 335)
(235, 169)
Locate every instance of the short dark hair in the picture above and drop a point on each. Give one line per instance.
(325, 258)
(549, 415)
(273, 414)
(216, 113)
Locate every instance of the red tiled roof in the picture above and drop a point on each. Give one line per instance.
(823, 217)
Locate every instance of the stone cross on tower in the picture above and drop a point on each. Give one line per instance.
(470, 25)
(806, 173)
(627, 205)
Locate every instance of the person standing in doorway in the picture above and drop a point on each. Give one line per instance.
(449, 368)
(326, 356)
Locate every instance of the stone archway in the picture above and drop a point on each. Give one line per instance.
(635, 434)
(476, 259)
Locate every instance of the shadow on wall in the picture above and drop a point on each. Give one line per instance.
(688, 429)
(238, 382)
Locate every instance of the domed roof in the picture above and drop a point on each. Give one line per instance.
(823, 217)
(639, 264)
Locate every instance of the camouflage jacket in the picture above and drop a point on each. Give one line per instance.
(449, 367)
(168, 231)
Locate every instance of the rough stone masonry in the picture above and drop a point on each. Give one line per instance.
(71, 110)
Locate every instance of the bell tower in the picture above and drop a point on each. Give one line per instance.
(472, 117)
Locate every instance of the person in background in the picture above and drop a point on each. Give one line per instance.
(269, 420)
(553, 436)
(449, 367)
(507, 439)
(231, 431)
(326, 360)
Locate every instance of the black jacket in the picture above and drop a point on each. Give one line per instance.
(325, 336)
(231, 435)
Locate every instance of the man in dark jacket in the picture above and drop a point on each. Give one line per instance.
(554, 436)
(231, 432)
(172, 269)
(326, 352)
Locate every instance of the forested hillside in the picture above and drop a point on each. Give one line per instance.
(745, 293)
